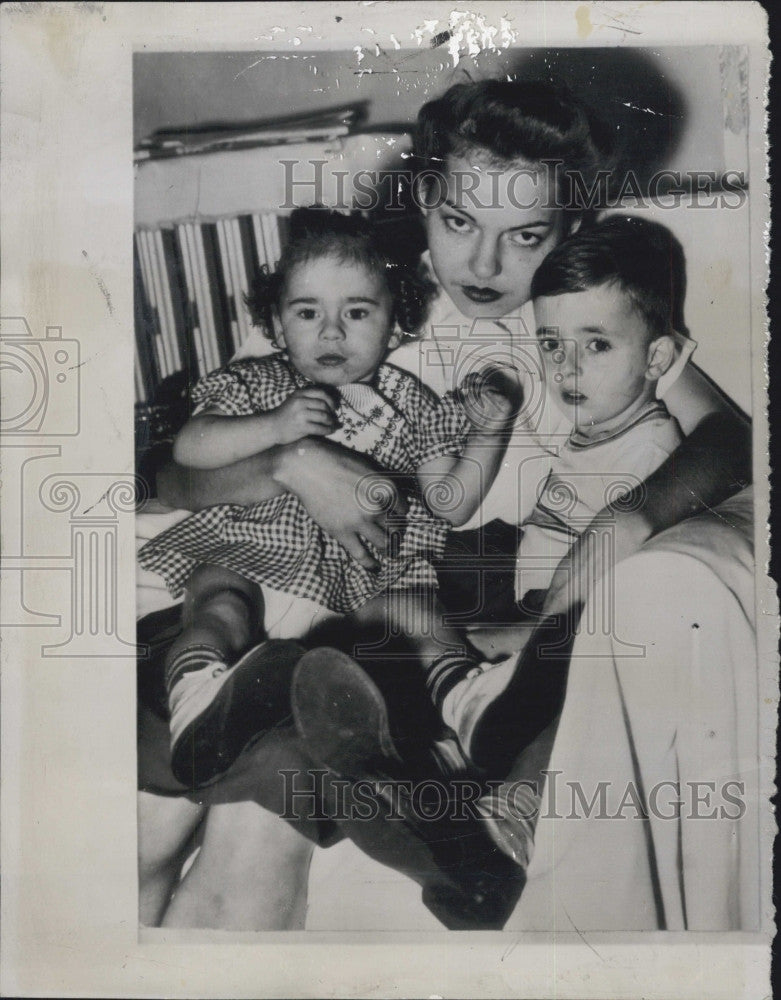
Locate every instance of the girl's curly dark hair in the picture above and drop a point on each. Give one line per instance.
(318, 232)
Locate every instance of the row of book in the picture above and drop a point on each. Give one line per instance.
(190, 283)
(307, 126)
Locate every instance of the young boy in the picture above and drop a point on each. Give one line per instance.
(607, 303)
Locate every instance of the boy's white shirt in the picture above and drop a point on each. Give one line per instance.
(452, 346)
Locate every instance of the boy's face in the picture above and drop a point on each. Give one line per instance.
(597, 354)
(337, 321)
(490, 230)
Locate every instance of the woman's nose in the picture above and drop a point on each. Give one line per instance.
(485, 262)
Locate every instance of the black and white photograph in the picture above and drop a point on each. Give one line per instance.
(410, 597)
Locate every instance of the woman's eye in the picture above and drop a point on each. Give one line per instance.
(526, 239)
(598, 346)
(457, 225)
(549, 345)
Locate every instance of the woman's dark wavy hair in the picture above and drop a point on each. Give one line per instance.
(318, 232)
(511, 120)
(639, 256)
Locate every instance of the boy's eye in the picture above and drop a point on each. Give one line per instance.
(357, 312)
(306, 313)
(526, 239)
(598, 345)
(457, 225)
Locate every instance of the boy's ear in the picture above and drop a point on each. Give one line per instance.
(661, 354)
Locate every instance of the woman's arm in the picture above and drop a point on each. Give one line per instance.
(213, 439)
(326, 478)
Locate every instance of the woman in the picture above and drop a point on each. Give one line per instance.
(492, 211)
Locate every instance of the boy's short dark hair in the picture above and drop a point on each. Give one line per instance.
(641, 257)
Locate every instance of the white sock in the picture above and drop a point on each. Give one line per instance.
(464, 705)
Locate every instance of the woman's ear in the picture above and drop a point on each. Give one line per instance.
(661, 354)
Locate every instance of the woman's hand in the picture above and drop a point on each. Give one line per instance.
(590, 560)
(305, 412)
(349, 497)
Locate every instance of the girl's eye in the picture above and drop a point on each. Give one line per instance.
(357, 313)
(526, 239)
(457, 225)
(598, 345)
(306, 313)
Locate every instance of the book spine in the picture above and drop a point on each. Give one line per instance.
(271, 231)
(164, 292)
(199, 368)
(147, 272)
(217, 287)
(174, 274)
(231, 285)
(144, 347)
(204, 305)
(237, 247)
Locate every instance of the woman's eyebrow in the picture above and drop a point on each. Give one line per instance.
(536, 224)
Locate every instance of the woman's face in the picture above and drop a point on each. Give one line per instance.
(488, 231)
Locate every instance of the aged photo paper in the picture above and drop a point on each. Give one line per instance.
(419, 353)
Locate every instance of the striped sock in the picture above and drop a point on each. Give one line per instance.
(446, 671)
(191, 660)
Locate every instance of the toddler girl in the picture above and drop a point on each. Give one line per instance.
(338, 302)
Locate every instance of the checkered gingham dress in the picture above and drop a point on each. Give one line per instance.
(396, 421)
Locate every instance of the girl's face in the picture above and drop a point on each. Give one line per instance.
(490, 231)
(337, 321)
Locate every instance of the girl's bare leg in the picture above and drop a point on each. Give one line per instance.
(250, 874)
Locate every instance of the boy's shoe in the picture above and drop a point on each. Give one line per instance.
(467, 882)
(218, 710)
(348, 726)
(420, 822)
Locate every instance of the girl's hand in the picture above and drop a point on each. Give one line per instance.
(305, 413)
(491, 398)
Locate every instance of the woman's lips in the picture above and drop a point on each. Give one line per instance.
(477, 294)
(571, 397)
